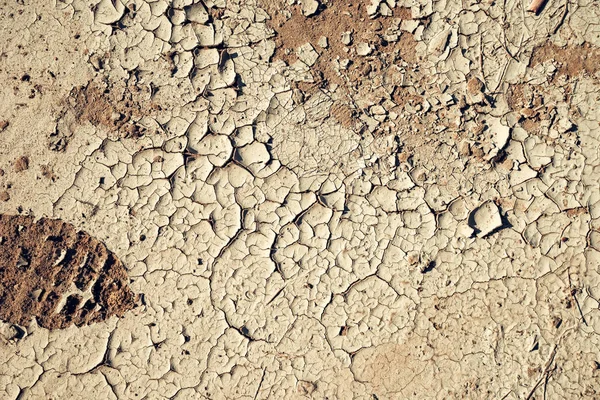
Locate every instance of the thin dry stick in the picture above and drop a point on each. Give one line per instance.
(481, 59)
(562, 17)
(573, 292)
(536, 6)
(545, 373)
(547, 369)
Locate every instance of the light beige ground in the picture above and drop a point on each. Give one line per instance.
(424, 228)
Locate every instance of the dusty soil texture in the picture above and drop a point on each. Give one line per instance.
(325, 199)
(58, 275)
(571, 60)
(336, 20)
(116, 107)
(360, 53)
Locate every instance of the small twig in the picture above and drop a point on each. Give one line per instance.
(573, 292)
(481, 58)
(505, 46)
(547, 379)
(223, 56)
(501, 78)
(545, 373)
(562, 18)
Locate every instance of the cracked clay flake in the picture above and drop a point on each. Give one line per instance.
(61, 276)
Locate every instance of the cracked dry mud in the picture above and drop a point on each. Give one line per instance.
(371, 199)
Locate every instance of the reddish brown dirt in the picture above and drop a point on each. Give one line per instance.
(526, 101)
(475, 86)
(338, 17)
(111, 107)
(402, 96)
(48, 173)
(116, 107)
(21, 164)
(40, 263)
(343, 114)
(574, 60)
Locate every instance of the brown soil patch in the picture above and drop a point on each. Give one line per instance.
(526, 100)
(115, 107)
(336, 18)
(46, 266)
(112, 107)
(573, 60)
(402, 96)
(48, 173)
(475, 86)
(21, 164)
(343, 114)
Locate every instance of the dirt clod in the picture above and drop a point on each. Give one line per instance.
(48, 173)
(115, 107)
(336, 21)
(61, 276)
(574, 60)
(21, 164)
(110, 106)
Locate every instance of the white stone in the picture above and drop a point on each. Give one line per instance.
(486, 218)
(347, 38)
(310, 7)
(363, 49)
(323, 42)
(307, 54)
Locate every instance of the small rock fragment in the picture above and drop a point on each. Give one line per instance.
(3, 125)
(409, 25)
(378, 110)
(536, 6)
(310, 7)
(11, 332)
(307, 54)
(306, 388)
(323, 42)
(475, 91)
(485, 219)
(4, 196)
(373, 8)
(363, 49)
(347, 38)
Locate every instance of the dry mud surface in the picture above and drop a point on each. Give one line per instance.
(289, 199)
